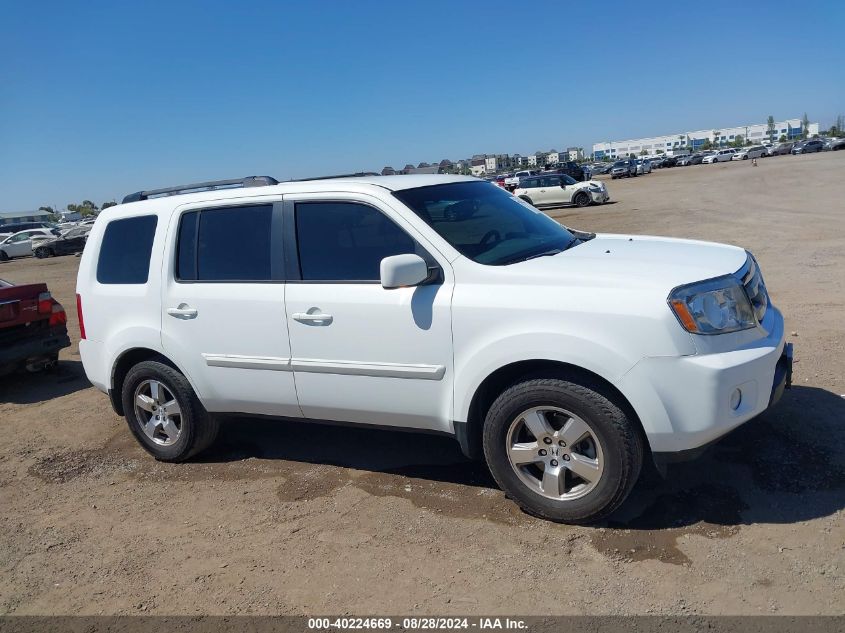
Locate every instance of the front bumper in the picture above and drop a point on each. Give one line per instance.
(599, 197)
(687, 402)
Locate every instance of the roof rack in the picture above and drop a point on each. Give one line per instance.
(211, 185)
(359, 174)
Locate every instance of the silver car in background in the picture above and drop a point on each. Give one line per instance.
(757, 151)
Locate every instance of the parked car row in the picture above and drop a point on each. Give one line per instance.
(722, 155)
(46, 241)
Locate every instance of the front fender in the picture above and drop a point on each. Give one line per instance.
(473, 367)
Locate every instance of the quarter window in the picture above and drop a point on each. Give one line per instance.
(125, 251)
(346, 241)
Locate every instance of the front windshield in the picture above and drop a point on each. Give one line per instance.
(485, 223)
(568, 180)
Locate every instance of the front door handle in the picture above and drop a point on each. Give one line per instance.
(316, 317)
(184, 311)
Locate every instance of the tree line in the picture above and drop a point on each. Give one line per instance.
(86, 208)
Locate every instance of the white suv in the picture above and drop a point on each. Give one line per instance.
(437, 303)
(722, 156)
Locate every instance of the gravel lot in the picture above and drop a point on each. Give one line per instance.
(306, 519)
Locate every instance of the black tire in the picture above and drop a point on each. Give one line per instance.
(41, 252)
(583, 199)
(198, 429)
(745, 157)
(526, 199)
(620, 442)
(4, 257)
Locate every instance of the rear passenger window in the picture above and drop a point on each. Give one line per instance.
(345, 241)
(225, 244)
(125, 251)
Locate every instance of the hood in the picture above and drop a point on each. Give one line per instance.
(637, 261)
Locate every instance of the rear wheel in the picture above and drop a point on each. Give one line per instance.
(164, 414)
(562, 450)
(526, 199)
(41, 252)
(582, 199)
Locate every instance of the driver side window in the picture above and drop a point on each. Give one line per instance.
(346, 241)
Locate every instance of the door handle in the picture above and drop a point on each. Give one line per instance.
(183, 312)
(318, 318)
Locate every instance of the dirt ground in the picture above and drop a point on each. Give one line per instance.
(288, 518)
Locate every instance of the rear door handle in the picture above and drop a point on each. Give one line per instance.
(182, 312)
(317, 318)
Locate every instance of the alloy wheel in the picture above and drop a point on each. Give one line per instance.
(555, 453)
(158, 412)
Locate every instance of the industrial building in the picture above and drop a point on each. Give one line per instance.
(694, 140)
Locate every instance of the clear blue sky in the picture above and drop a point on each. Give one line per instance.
(98, 99)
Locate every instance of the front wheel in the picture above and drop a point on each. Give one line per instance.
(4, 256)
(582, 199)
(526, 199)
(164, 414)
(562, 450)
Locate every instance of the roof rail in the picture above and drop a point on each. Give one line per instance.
(211, 185)
(355, 175)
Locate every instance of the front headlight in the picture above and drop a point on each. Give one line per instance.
(715, 306)
(596, 188)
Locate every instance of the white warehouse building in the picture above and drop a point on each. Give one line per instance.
(692, 141)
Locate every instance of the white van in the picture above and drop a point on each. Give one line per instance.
(437, 303)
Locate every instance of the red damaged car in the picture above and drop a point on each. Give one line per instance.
(33, 328)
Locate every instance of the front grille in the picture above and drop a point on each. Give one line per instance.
(755, 288)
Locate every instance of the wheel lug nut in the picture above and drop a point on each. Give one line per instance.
(547, 440)
(566, 458)
(562, 443)
(542, 452)
(554, 462)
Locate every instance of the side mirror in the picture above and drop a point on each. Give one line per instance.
(402, 271)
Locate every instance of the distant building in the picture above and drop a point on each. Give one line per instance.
(478, 166)
(719, 137)
(537, 159)
(428, 169)
(575, 153)
(388, 171)
(11, 217)
(497, 162)
(554, 157)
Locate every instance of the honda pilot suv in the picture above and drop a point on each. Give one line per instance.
(439, 303)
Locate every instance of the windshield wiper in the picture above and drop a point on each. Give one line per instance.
(547, 253)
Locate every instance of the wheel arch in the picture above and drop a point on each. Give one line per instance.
(128, 359)
(469, 432)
